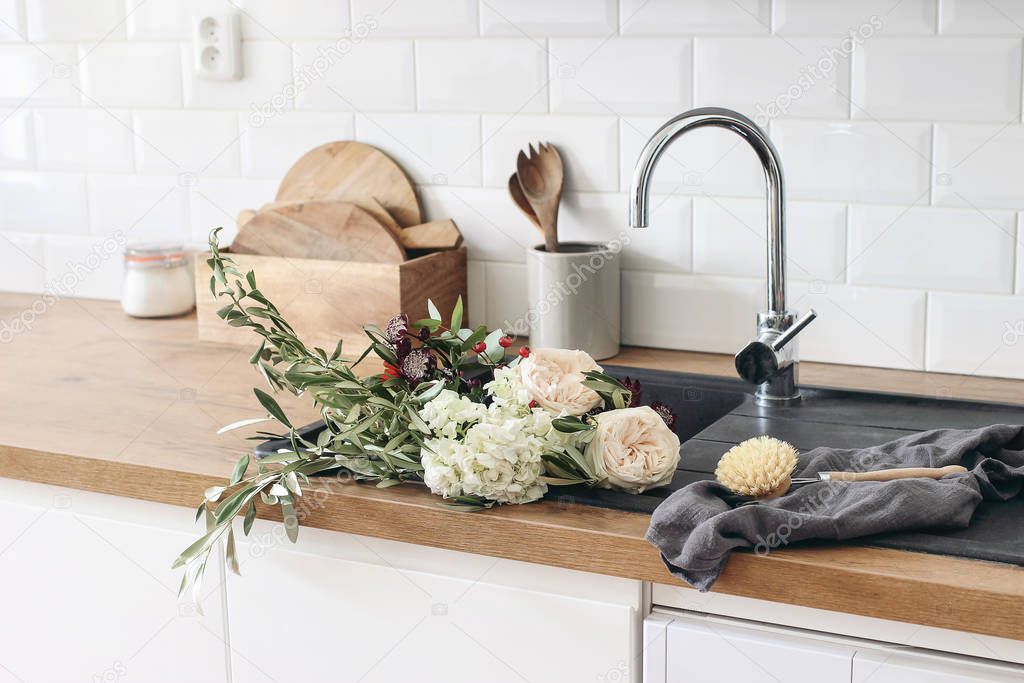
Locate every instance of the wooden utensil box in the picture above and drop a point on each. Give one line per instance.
(329, 300)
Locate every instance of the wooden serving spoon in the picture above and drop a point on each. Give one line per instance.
(540, 177)
(519, 199)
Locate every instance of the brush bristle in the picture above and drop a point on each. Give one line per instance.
(760, 467)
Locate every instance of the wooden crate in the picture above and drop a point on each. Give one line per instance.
(329, 300)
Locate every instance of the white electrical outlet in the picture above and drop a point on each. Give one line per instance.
(217, 46)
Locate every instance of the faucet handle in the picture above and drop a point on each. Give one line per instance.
(794, 329)
(759, 360)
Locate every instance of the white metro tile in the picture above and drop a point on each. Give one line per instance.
(672, 17)
(476, 285)
(84, 139)
(90, 267)
(180, 141)
(862, 161)
(664, 246)
(71, 20)
(708, 160)
(24, 267)
(417, 19)
(270, 145)
(864, 18)
(143, 209)
(274, 20)
(162, 19)
(368, 75)
(506, 75)
(620, 75)
(588, 146)
(39, 74)
(132, 75)
(12, 27)
(540, 18)
(769, 77)
(492, 227)
(991, 17)
(16, 149)
(507, 299)
(215, 202)
(972, 163)
(861, 325)
(690, 312)
(730, 238)
(913, 78)
(264, 86)
(930, 248)
(43, 202)
(433, 149)
(976, 334)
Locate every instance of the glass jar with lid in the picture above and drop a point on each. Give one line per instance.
(157, 281)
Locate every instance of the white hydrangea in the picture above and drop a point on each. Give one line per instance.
(448, 412)
(440, 458)
(507, 389)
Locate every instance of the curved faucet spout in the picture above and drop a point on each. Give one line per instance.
(640, 190)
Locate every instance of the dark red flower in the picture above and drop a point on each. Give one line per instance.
(666, 414)
(634, 391)
(403, 347)
(396, 328)
(417, 365)
(524, 351)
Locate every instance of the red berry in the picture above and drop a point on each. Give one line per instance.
(534, 403)
(480, 347)
(524, 351)
(505, 342)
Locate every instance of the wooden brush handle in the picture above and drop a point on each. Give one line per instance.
(898, 473)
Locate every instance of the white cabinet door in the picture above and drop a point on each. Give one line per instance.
(87, 594)
(897, 666)
(712, 650)
(344, 608)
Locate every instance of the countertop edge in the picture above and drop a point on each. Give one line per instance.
(930, 590)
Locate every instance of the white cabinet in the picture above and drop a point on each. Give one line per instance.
(897, 666)
(363, 609)
(703, 649)
(86, 594)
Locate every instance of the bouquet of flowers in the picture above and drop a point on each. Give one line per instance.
(453, 408)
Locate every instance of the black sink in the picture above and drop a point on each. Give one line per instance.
(717, 413)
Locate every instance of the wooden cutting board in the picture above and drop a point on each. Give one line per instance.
(326, 230)
(354, 172)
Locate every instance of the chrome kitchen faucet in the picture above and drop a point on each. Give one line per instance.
(770, 361)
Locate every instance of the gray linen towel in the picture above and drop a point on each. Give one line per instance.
(696, 527)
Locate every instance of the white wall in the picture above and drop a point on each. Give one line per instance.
(902, 149)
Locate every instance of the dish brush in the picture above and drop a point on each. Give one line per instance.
(762, 467)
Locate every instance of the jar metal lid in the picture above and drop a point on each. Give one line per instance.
(154, 255)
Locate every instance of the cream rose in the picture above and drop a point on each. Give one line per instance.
(633, 449)
(554, 379)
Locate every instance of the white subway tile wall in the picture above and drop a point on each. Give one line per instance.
(899, 126)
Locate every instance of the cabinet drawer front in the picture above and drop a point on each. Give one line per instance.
(708, 650)
(893, 666)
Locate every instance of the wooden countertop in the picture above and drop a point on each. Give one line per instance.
(98, 401)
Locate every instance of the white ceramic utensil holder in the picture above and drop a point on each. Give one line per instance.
(574, 297)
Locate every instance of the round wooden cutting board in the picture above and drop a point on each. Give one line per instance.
(354, 172)
(326, 230)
